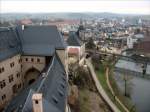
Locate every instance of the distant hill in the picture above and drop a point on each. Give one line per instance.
(86, 15)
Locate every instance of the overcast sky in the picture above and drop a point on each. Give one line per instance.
(114, 6)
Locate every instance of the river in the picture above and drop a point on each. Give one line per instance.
(139, 91)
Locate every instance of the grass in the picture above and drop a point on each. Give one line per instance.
(84, 103)
(125, 100)
(102, 78)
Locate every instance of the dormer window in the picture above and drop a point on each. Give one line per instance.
(55, 99)
(60, 93)
(62, 85)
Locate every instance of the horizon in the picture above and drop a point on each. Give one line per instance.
(136, 7)
(74, 13)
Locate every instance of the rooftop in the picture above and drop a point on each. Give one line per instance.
(73, 39)
(30, 40)
(52, 83)
(53, 88)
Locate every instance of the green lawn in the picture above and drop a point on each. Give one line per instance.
(102, 78)
(125, 100)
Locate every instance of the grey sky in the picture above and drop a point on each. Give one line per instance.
(114, 6)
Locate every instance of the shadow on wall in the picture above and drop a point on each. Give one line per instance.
(31, 75)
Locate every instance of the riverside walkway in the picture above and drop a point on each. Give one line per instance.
(112, 91)
(100, 89)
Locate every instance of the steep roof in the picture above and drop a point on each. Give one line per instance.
(9, 43)
(73, 39)
(41, 41)
(53, 87)
(39, 38)
(32, 40)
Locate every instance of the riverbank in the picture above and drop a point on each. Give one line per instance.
(101, 74)
(100, 89)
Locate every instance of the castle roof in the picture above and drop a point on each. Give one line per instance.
(30, 40)
(37, 41)
(53, 87)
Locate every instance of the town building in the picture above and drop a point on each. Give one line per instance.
(75, 48)
(142, 48)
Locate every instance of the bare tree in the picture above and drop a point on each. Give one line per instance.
(90, 44)
(127, 83)
(96, 60)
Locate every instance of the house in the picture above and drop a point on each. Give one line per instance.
(33, 69)
(142, 48)
(25, 21)
(76, 47)
(130, 42)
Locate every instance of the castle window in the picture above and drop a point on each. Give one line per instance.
(36, 101)
(20, 60)
(15, 88)
(12, 64)
(2, 84)
(19, 85)
(3, 97)
(38, 60)
(26, 59)
(2, 69)
(32, 59)
(11, 78)
(18, 75)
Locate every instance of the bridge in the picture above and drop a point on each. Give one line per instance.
(133, 65)
(133, 58)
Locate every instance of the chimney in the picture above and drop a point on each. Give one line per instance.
(37, 102)
(22, 27)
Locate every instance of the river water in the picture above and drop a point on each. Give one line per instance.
(139, 89)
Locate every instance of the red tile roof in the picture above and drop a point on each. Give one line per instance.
(26, 21)
(73, 51)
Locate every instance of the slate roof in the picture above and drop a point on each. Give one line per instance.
(9, 43)
(33, 40)
(39, 38)
(53, 87)
(73, 39)
(41, 41)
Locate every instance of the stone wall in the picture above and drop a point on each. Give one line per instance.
(10, 74)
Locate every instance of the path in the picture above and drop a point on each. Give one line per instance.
(112, 91)
(99, 87)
